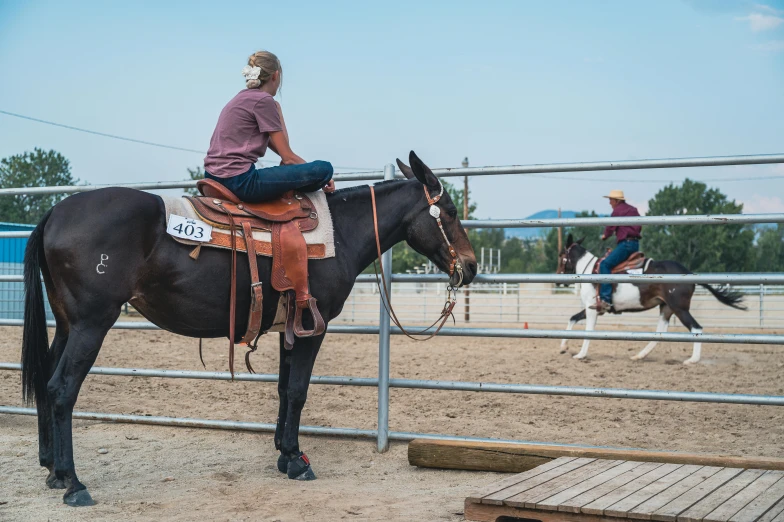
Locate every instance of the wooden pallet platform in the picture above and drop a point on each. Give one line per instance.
(574, 489)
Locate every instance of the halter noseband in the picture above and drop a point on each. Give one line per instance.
(435, 211)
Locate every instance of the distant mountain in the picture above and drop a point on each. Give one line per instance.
(532, 233)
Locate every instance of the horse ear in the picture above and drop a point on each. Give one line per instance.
(422, 172)
(569, 239)
(580, 241)
(405, 169)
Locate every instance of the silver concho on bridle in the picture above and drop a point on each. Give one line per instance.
(435, 211)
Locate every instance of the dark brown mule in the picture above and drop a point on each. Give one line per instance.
(671, 298)
(98, 250)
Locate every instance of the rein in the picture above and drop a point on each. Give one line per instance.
(454, 265)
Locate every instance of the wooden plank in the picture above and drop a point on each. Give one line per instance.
(621, 508)
(779, 517)
(515, 458)
(528, 498)
(516, 479)
(574, 504)
(670, 511)
(533, 500)
(598, 506)
(491, 513)
(645, 510)
(499, 496)
(552, 503)
(701, 509)
(763, 504)
(738, 501)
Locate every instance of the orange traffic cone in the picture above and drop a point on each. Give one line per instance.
(525, 325)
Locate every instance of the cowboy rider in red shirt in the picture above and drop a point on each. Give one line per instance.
(628, 243)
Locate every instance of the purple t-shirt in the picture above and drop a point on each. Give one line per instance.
(242, 133)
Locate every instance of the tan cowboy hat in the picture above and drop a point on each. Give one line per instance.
(616, 194)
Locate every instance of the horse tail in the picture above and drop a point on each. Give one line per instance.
(35, 338)
(726, 296)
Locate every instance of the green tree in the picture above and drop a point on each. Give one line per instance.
(770, 250)
(195, 174)
(725, 248)
(32, 169)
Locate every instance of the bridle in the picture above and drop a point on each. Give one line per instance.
(435, 211)
(565, 258)
(454, 266)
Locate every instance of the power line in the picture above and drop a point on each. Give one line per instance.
(172, 147)
(133, 140)
(114, 136)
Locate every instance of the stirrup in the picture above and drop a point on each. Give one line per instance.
(318, 322)
(601, 306)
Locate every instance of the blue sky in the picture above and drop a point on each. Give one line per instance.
(364, 82)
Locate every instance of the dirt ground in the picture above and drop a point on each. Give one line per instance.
(187, 474)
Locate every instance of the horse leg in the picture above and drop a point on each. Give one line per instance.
(576, 318)
(694, 327)
(81, 349)
(590, 324)
(665, 312)
(283, 384)
(303, 355)
(45, 414)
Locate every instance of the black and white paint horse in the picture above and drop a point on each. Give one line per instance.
(671, 298)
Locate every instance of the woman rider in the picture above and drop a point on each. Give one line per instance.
(247, 125)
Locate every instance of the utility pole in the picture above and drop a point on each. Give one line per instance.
(465, 216)
(465, 190)
(560, 234)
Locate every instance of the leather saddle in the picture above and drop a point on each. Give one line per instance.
(635, 261)
(286, 218)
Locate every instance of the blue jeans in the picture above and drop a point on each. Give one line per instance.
(621, 253)
(259, 185)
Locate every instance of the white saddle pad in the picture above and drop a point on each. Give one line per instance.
(323, 234)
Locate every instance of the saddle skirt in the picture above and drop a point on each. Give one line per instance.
(636, 261)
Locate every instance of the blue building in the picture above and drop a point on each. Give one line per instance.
(12, 263)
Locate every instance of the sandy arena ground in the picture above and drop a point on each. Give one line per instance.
(152, 473)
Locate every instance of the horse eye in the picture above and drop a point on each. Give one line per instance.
(452, 212)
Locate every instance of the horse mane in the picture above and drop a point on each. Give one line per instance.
(357, 188)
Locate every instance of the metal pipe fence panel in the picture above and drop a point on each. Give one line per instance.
(500, 309)
(421, 384)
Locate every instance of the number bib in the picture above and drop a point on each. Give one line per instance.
(187, 228)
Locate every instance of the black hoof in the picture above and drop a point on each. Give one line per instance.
(283, 463)
(78, 498)
(299, 469)
(52, 482)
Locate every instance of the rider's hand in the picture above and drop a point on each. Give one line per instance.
(329, 188)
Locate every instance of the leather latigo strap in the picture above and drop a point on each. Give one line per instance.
(449, 305)
(254, 315)
(232, 292)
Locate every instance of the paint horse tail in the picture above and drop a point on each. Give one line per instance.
(727, 296)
